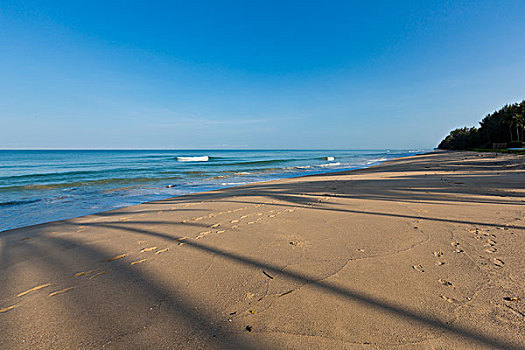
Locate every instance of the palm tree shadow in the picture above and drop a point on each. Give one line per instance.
(132, 290)
(345, 293)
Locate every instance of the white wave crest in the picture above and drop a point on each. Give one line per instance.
(376, 160)
(330, 159)
(330, 164)
(193, 159)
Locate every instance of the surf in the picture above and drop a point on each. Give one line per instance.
(193, 159)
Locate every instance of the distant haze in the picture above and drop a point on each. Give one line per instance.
(248, 74)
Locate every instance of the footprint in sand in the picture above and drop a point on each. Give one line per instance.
(234, 221)
(33, 289)
(161, 251)
(450, 300)
(418, 268)
(498, 262)
(98, 274)
(181, 240)
(6, 309)
(491, 250)
(215, 225)
(116, 257)
(82, 273)
(445, 282)
(490, 243)
(438, 253)
(149, 249)
(62, 291)
(440, 263)
(220, 231)
(138, 262)
(202, 234)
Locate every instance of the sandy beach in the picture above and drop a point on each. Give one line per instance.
(425, 252)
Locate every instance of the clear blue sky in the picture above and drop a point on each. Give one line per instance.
(254, 74)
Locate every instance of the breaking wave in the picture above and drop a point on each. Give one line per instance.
(193, 159)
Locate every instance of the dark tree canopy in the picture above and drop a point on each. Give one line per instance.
(505, 126)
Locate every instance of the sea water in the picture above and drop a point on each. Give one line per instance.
(39, 186)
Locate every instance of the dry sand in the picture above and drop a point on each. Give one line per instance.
(424, 252)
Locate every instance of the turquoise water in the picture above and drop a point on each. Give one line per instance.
(43, 186)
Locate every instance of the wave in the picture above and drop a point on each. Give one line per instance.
(330, 159)
(259, 162)
(382, 159)
(85, 183)
(70, 173)
(235, 162)
(193, 159)
(13, 203)
(329, 164)
(217, 177)
(298, 167)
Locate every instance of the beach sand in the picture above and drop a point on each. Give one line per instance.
(425, 252)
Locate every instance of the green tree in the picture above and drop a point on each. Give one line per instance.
(506, 125)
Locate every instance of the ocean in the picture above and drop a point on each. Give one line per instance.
(40, 186)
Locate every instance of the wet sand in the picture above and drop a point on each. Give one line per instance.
(425, 252)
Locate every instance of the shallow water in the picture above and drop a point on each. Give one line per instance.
(43, 186)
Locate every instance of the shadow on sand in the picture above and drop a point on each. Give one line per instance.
(208, 331)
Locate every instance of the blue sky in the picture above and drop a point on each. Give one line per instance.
(254, 74)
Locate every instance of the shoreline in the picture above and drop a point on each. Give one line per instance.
(417, 252)
(321, 172)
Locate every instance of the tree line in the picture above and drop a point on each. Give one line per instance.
(503, 128)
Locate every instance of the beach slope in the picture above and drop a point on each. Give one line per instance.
(425, 252)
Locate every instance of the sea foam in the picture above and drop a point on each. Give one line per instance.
(193, 159)
(330, 164)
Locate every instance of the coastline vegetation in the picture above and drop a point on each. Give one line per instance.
(505, 128)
